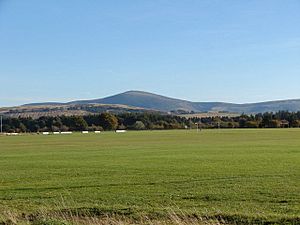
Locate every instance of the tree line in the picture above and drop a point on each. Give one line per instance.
(147, 121)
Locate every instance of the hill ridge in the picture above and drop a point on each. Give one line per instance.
(148, 100)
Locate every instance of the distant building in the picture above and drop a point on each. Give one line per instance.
(284, 124)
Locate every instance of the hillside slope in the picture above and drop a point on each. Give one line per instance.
(134, 101)
(143, 100)
(162, 103)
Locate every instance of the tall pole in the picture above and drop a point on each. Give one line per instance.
(200, 124)
(1, 123)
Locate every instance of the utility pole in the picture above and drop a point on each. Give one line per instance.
(1, 124)
(200, 124)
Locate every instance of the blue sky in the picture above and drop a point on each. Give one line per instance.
(201, 50)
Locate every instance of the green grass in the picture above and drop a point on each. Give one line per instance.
(246, 174)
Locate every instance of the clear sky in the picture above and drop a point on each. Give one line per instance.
(201, 50)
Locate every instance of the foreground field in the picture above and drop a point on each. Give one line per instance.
(237, 176)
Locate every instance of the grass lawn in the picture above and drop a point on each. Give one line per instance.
(251, 174)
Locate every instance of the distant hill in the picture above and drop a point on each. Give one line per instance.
(143, 100)
(52, 109)
(139, 101)
(158, 102)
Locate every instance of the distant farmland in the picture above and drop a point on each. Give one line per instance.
(210, 114)
(234, 176)
(55, 109)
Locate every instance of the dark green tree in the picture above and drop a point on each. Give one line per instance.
(108, 121)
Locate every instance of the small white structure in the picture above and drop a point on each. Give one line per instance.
(66, 132)
(120, 131)
(12, 134)
(85, 132)
(46, 133)
(97, 132)
(56, 132)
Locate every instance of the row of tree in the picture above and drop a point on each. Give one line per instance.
(147, 121)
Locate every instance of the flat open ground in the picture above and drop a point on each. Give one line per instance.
(248, 174)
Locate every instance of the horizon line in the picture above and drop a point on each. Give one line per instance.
(65, 102)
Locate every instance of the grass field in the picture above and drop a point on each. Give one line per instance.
(242, 176)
